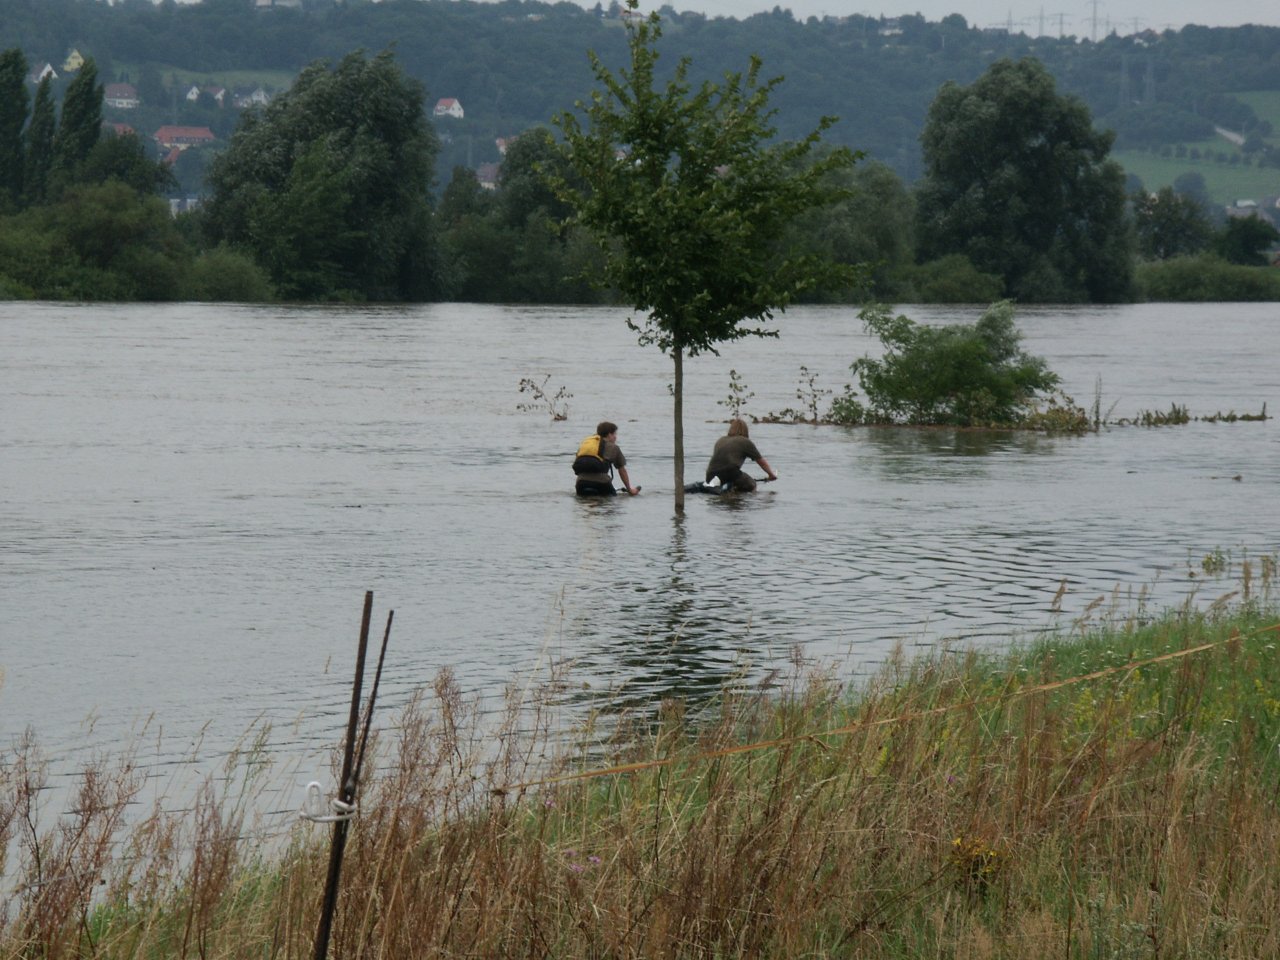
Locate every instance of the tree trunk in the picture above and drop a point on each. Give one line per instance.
(678, 356)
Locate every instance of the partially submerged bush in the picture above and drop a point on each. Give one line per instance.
(949, 279)
(960, 375)
(1206, 279)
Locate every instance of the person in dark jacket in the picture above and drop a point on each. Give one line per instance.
(731, 451)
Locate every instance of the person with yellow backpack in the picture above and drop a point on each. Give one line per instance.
(598, 455)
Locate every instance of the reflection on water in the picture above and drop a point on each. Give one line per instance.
(193, 501)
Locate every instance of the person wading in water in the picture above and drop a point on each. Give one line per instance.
(598, 455)
(730, 452)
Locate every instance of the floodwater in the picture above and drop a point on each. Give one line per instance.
(194, 499)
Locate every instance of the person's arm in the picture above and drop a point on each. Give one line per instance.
(626, 481)
(764, 465)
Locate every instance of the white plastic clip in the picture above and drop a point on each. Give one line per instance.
(313, 806)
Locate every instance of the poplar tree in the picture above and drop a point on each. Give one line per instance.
(80, 125)
(39, 145)
(689, 195)
(13, 117)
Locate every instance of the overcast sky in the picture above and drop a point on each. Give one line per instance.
(1076, 15)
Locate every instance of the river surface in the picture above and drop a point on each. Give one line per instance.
(194, 499)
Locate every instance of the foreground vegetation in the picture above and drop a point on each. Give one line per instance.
(1111, 793)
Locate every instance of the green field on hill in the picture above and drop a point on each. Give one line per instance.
(1226, 183)
(1266, 104)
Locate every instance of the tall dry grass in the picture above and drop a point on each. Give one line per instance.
(968, 807)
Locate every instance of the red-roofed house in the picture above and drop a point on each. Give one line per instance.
(448, 107)
(170, 137)
(120, 129)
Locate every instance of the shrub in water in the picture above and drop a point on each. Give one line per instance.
(964, 374)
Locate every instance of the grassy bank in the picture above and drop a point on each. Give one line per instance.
(1111, 794)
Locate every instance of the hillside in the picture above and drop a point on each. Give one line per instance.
(515, 64)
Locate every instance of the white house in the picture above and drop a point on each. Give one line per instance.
(448, 107)
(218, 93)
(259, 98)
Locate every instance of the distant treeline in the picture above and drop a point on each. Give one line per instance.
(315, 200)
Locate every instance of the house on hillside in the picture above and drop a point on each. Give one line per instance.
(1242, 208)
(73, 62)
(42, 71)
(487, 176)
(258, 98)
(122, 96)
(181, 138)
(218, 94)
(448, 107)
(120, 129)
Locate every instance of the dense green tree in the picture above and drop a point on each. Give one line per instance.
(1191, 185)
(79, 124)
(1169, 224)
(463, 197)
(1246, 241)
(1018, 180)
(328, 186)
(688, 195)
(124, 158)
(873, 224)
(13, 118)
(39, 145)
(523, 181)
(95, 242)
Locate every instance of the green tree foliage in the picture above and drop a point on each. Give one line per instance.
(512, 245)
(1169, 224)
(13, 118)
(1192, 186)
(963, 374)
(462, 198)
(223, 274)
(328, 187)
(689, 197)
(39, 145)
(124, 158)
(949, 279)
(524, 179)
(79, 125)
(96, 242)
(1017, 179)
(870, 227)
(1246, 240)
(1206, 279)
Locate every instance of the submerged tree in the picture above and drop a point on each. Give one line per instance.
(962, 374)
(1019, 181)
(328, 187)
(688, 198)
